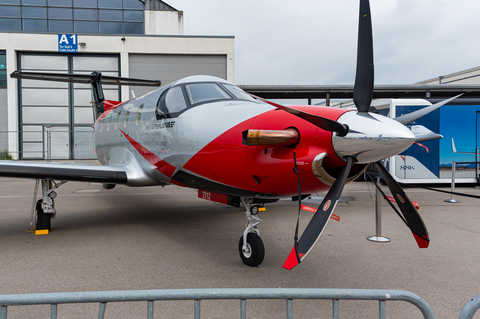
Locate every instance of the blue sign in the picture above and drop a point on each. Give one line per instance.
(67, 43)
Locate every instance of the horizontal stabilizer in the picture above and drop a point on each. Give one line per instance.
(83, 78)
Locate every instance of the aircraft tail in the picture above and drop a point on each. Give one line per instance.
(95, 79)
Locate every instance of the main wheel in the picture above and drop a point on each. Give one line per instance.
(254, 253)
(43, 220)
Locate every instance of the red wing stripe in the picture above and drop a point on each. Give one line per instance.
(162, 166)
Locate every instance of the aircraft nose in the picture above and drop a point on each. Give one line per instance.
(371, 137)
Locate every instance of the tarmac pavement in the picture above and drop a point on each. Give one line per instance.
(167, 238)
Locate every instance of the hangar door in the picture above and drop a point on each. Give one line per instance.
(170, 67)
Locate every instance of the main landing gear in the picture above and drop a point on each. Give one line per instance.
(44, 209)
(250, 246)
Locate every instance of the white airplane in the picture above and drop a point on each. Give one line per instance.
(205, 133)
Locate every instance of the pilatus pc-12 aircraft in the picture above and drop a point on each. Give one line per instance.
(205, 133)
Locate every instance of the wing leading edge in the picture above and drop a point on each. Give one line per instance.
(64, 172)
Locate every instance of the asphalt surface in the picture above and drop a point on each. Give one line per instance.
(167, 238)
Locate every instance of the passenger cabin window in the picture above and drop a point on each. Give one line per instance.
(139, 114)
(108, 123)
(239, 93)
(116, 120)
(205, 92)
(125, 119)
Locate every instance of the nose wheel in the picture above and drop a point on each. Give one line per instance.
(250, 246)
(253, 252)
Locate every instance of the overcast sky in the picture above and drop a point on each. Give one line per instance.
(314, 41)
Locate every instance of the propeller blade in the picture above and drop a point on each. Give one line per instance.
(410, 213)
(319, 220)
(363, 88)
(410, 117)
(322, 122)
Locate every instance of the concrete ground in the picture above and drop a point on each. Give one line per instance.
(167, 238)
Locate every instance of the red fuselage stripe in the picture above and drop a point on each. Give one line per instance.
(162, 166)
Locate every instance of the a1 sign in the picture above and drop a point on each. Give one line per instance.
(67, 43)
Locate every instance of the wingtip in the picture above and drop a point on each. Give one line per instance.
(292, 261)
(422, 241)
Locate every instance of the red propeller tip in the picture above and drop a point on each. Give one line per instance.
(422, 242)
(292, 261)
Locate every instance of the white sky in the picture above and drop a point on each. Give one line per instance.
(314, 41)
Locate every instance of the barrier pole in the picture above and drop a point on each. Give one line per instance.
(378, 218)
(477, 171)
(451, 199)
(49, 146)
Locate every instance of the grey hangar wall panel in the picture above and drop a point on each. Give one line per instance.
(3, 120)
(171, 67)
(3, 109)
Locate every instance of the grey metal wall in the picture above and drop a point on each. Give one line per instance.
(3, 110)
(3, 119)
(169, 68)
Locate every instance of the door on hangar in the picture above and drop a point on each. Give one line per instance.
(64, 109)
(172, 67)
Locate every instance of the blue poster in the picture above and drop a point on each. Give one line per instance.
(458, 122)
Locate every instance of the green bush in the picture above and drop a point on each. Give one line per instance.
(5, 156)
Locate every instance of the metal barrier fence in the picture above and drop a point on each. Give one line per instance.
(49, 144)
(470, 308)
(196, 295)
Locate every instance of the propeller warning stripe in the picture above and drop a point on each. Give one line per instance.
(162, 166)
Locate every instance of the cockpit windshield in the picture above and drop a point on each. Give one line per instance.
(205, 92)
(238, 92)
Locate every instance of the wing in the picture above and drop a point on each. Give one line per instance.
(64, 172)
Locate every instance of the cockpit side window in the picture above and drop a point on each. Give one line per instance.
(205, 92)
(171, 101)
(175, 101)
(239, 93)
(162, 112)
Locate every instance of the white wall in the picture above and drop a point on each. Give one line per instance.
(163, 22)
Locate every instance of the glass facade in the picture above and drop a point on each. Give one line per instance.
(3, 69)
(73, 16)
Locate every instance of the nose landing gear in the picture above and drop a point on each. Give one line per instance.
(250, 246)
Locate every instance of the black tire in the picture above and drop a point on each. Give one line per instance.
(255, 256)
(43, 220)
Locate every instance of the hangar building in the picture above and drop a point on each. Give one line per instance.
(128, 38)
